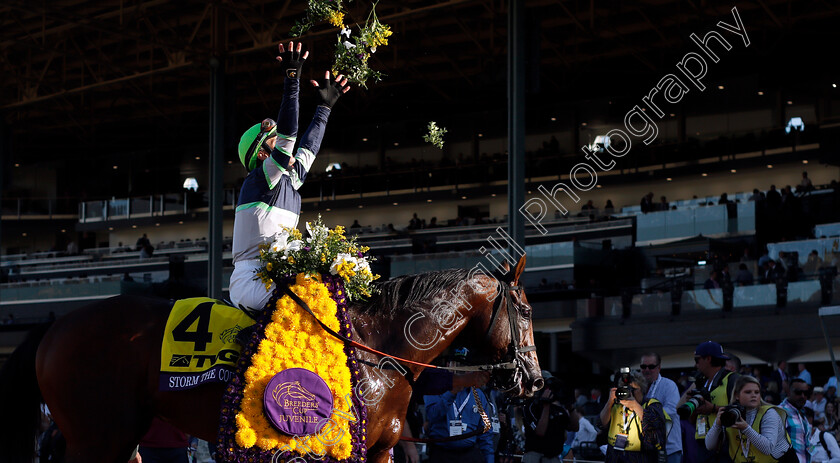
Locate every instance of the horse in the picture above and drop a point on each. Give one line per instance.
(97, 368)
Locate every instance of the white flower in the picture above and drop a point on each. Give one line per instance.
(362, 265)
(345, 31)
(373, 49)
(349, 45)
(340, 259)
(282, 244)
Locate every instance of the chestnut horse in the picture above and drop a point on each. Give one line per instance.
(97, 368)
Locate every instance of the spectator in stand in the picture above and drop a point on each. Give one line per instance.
(805, 184)
(595, 403)
(712, 282)
(414, 223)
(832, 418)
(774, 199)
(589, 206)
(817, 402)
(772, 272)
(663, 204)
(804, 374)
(433, 223)
(796, 424)
(823, 444)
(813, 264)
(580, 397)
(647, 203)
(665, 391)
(725, 278)
(586, 431)
(744, 277)
(356, 224)
(724, 199)
(609, 208)
(781, 378)
(757, 195)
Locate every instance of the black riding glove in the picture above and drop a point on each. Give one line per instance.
(292, 63)
(329, 92)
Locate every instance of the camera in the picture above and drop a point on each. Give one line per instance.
(624, 390)
(697, 399)
(731, 414)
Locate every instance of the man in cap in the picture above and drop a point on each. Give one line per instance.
(546, 422)
(269, 198)
(455, 413)
(817, 402)
(716, 385)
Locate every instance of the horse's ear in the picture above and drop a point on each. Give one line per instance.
(520, 267)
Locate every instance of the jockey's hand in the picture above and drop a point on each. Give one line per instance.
(330, 90)
(291, 59)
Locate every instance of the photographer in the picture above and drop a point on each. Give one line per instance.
(754, 433)
(636, 428)
(546, 422)
(702, 401)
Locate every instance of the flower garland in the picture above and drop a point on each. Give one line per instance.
(291, 339)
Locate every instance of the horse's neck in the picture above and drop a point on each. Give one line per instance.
(430, 338)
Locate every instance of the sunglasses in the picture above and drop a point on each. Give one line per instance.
(648, 367)
(803, 392)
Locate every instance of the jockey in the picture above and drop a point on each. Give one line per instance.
(269, 198)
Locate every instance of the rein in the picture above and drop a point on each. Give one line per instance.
(511, 364)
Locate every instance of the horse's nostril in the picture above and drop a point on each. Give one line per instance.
(538, 384)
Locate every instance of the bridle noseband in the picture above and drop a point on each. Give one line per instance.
(514, 358)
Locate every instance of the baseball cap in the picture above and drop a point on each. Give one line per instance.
(712, 349)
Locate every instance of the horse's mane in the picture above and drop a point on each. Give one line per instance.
(402, 294)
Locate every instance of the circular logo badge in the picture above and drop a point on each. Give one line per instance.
(298, 402)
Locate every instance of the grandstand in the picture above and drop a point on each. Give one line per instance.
(606, 283)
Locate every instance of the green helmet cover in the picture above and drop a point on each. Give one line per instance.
(251, 142)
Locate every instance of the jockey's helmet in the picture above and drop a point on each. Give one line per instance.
(253, 140)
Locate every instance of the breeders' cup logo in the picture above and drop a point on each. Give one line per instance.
(228, 336)
(292, 396)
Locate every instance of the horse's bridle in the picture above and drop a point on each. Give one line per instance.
(514, 358)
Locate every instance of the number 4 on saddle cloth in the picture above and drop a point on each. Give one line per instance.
(200, 343)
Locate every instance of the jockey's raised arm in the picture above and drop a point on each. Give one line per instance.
(269, 199)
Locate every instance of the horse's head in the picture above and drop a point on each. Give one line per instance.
(509, 333)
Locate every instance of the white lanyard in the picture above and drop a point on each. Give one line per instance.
(494, 408)
(626, 425)
(464, 404)
(745, 443)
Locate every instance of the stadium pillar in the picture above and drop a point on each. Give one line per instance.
(516, 120)
(217, 146)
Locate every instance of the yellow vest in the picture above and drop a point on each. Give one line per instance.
(735, 439)
(719, 398)
(632, 428)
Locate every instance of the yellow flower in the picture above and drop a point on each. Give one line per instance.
(291, 260)
(268, 266)
(336, 18)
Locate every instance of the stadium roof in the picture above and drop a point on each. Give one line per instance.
(85, 83)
